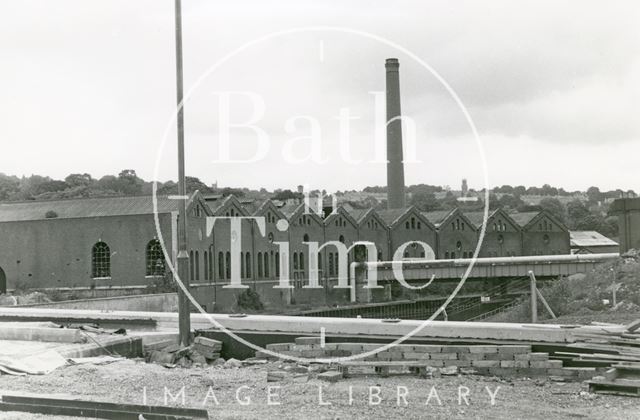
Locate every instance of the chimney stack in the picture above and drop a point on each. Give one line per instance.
(395, 168)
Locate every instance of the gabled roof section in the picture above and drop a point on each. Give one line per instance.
(437, 217)
(340, 211)
(544, 213)
(477, 217)
(90, 207)
(299, 211)
(393, 216)
(266, 206)
(523, 219)
(361, 216)
(227, 203)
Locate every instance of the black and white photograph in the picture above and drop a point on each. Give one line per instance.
(319, 209)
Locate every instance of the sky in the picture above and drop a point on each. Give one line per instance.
(552, 87)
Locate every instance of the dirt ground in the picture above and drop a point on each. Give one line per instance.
(127, 382)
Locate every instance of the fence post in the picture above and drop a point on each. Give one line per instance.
(534, 298)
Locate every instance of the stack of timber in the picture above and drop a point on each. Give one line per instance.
(603, 347)
(622, 379)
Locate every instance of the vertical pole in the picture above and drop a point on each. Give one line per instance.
(184, 320)
(534, 298)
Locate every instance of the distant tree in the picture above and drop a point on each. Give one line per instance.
(287, 195)
(576, 212)
(425, 201)
(555, 207)
(51, 186)
(519, 190)
(510, 201)
(75, 180)
(594, 194)
(9, 186)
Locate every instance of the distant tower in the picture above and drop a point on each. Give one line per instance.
(395, 168)
(465, 188)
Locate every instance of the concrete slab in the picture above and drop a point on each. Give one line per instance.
(311, 326)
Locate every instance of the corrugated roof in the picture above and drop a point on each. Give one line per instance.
(85, 207)
(586, 238)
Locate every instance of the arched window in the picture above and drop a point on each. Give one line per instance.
(266, 265)
(210, 265)
(197, 265)
(379, 255)
(100, 260)
(305, 238)
(295, 260)
(228, 265)
(406, 225)
(191, 267)
(220, 265)
(546, 239)
(241, 265)
(331, 263)
(260, 265)
(277, 273)
(459, 245)
(413, 223)
(206, 265)
(247, 264)
(155, 259)
(301, 261)
(341, 238)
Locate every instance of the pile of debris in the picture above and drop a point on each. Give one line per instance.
(204, 351)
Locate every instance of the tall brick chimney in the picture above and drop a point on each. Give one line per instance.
(395, 168)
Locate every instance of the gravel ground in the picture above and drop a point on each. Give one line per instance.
(127, 380)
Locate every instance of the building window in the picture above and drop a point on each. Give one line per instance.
(301, 261)
(100, 260)
(305, 238)
(379, 255)
(458, 245)
(247, 265)
(228, 265)
(406, 225)
(220, 265)
(197, 264)
(413, 223)
(206, 265)
(242, 265)
(419, 226)
(260, 272)
(546, 239)
(341, 238)
(446, 255)
(330, 263)
(210, 265)
(191, 268)
(500, 239)
(277, 264)
(155, 259)
(266, 265)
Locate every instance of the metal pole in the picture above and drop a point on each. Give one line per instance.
(184, 320)
(534, 298)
